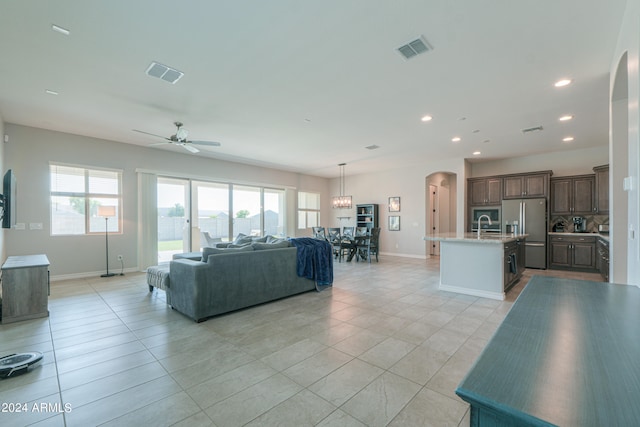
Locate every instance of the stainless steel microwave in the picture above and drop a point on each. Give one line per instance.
(492, 212)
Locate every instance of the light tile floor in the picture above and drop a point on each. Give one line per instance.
(383, 347)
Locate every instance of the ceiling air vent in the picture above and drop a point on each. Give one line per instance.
(415, 47)
(372, 147)
(534, 129)
(163, 72)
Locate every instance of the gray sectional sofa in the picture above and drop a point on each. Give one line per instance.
(228, 279)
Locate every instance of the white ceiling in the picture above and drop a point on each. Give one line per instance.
(305, 85)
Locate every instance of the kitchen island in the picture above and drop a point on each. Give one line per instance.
(485, 266)
(566, 355)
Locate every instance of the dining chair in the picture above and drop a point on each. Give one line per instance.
(319, 233)
(369, 246)
(334, 239)
(347, 243)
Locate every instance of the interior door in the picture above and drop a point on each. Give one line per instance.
(434, 249)
(174, 231)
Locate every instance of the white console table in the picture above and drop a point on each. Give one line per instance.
(25, 288)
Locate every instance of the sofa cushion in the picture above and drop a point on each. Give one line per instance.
(262, 246)
(259, 239)
(215, 251)
(239, 245)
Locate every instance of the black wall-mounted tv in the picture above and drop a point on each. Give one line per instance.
(8, 199)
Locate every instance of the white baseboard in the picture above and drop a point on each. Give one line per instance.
(88, 274)
(474, 292)
(404, 255)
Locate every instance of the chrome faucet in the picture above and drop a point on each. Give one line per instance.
(480, 223)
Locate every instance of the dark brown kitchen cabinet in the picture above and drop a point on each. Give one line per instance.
(602, 258)
(485, 191)
(572, 253)
(602, 189)
(525, 186)
(573, 195)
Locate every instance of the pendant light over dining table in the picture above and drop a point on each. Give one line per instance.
(341, 201)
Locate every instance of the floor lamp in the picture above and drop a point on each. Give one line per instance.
(106, 212)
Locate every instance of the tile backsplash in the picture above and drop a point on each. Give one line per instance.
(593, 221)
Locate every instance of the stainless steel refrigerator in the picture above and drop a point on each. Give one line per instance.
(531, 216)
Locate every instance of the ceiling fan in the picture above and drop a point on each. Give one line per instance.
(180, 138)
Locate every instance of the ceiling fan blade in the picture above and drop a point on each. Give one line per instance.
(147, 133)
(188, 147)
(155, 144)
(209, 143)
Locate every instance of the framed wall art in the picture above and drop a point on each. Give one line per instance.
(394, 223)
(394, 204)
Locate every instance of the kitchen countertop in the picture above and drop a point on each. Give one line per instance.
(566, 354)
(604, 237)
(467, 237)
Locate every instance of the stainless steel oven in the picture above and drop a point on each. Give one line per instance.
(492, 212)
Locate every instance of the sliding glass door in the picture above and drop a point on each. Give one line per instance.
(247, 208)
(274, 209)
(173, 217)
(195, 214)
(211, 212)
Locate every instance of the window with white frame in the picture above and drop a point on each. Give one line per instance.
(82, 198)
(308, 209)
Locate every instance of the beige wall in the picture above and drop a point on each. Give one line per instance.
(3, 167)
(626, 229)
(564, 163)
(30, 150)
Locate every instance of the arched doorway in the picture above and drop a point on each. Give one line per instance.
(441, 209)
(619, 169)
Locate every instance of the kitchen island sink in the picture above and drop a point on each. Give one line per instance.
(484, 265)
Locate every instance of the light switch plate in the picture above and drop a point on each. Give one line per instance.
(19, 226)
(35, 226)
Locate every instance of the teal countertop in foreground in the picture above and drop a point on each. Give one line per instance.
(566, 354)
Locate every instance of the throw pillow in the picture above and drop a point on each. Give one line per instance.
(262, 246)
(241, 239)
(259, 239)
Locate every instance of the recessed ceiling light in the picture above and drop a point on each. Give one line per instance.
(567, 139)
(456, 139)
(565, 118)
(60, 30)
(50, 92)
(476, 153)
(427, 118)
(563, 82)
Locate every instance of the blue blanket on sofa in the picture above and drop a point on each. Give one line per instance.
(315, 259)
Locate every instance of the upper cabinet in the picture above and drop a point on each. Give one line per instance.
(602, 189)
(367, 216)
(485, 191)
(526, 186)
(573, 195)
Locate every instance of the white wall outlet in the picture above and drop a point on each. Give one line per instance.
(35, 226)
(627, 183)
(19, 226)
(119, 257)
